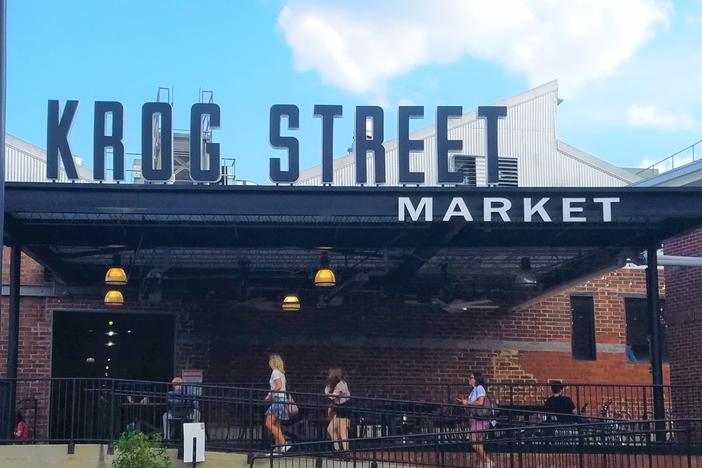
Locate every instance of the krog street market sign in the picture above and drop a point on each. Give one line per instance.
(59, 126)
(544, 209)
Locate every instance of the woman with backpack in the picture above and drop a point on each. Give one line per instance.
(478, 423)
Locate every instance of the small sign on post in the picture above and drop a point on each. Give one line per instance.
(193, 442)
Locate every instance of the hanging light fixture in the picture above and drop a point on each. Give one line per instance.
(114, 297)
(525, 276)
(325, 276)
(116, 276)
(291, 302)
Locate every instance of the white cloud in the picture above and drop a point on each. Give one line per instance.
(361, 45)
(650, 116)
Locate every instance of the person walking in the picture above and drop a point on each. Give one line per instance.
(477, 424)
(278, 409)
(337, 389)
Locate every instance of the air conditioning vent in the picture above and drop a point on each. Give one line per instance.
(473, 170)
(467, 167)
(508, 172)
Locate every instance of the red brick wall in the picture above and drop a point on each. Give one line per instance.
(30, 272)
(423, 344)
(684, 318)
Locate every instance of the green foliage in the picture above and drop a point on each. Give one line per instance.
(138, 450)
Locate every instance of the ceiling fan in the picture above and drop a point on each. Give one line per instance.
(459, 305)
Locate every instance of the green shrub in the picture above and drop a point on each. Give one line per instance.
(138, 450)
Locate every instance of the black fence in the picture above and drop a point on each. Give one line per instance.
(622, 401)
(631, 443)
(99, 410)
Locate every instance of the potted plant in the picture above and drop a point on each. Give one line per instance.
(138, 450)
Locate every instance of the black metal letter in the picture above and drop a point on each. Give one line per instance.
(405, 145)
(114, 140)
(57, 130)
(444, 145)
(290, 143)
(327, 113)
(365, 144)
(491, 114)
(197, 172)
(163, 140)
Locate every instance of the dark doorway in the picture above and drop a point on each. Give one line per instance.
(113, 345)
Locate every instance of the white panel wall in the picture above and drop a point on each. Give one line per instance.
(27, 163)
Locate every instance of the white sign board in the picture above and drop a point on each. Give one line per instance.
(193, 431)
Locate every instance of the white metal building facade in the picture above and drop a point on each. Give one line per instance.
(527, 142)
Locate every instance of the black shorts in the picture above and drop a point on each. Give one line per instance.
(342, 411)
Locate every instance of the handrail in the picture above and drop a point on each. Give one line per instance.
(672, 158)
(556, 438)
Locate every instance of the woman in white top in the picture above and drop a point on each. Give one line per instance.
(339, 411)
(477, 425)
(278, 410)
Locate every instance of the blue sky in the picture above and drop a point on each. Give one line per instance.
(630, 71)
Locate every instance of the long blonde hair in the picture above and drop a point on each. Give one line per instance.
(276, 362)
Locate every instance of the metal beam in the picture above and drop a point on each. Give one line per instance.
(655, 343)
(47, 257)
(419, 257)
(676, 260)
(3, 89)
(13, 328)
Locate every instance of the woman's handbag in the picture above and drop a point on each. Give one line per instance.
(293, 409)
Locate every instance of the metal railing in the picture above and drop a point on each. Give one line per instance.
(573, 445)
(684, 156)
(621, 401)
(77, 410)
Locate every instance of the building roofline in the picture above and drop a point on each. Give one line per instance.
(597, 163)
(668, 176)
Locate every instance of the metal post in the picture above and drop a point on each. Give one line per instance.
(194, 452)
(111, 445)
(3, 89)
(655, 344)
(13, 330)
(72, 440)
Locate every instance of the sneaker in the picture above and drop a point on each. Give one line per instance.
(285, 448)
(489, 464)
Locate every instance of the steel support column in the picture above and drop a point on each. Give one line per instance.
(3, 88)
(13, 330)
(656, 348)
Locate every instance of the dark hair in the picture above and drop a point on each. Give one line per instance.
(480, 379)
(556, 387)
(336, 375)
(20, 418)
